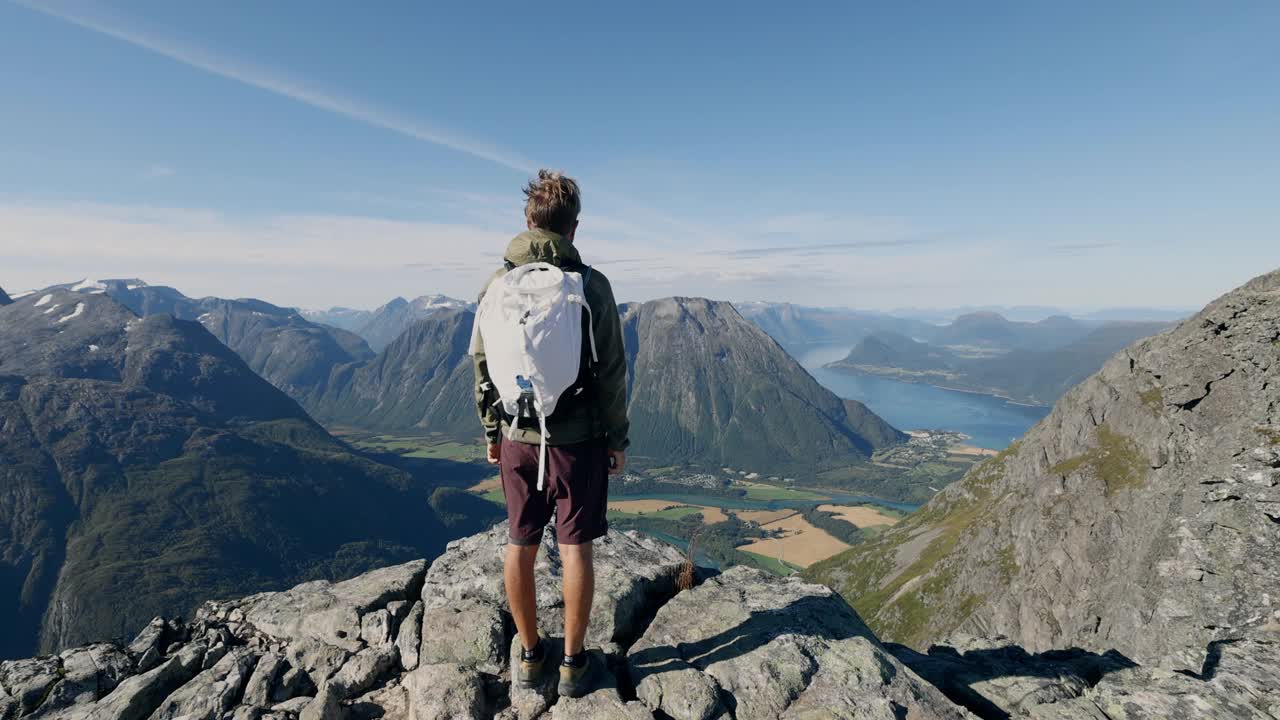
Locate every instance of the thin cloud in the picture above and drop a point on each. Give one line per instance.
(817, 249)
(1077, 248)
(274, 82)
(160, 171)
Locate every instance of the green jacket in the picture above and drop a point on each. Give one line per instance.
(604, 414)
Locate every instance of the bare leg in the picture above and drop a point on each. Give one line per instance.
(579, 589)
(518, 573)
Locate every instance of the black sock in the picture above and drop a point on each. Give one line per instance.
(533, 655)
(575, 661)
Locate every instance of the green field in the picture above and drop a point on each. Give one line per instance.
(766, 494)
(435, 448)
(773, 565)
(675, 513)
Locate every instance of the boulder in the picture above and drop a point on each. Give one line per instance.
(469, 632)
(774, 648)
(445, 692)
(330, 613)
(260, 689)
(409, 637)
(212, 692)
(363, 670)
(29, 681)
(138, 697)
(327, 705)
(634, 574)
(88, 673)
(997, 680)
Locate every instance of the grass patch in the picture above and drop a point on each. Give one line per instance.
(768, 492)
(1116, 461)
(772, 564)
(1269, 435)
(929, 609)
(1153, 399)
(433, 448)
(1006, 563)
(672, 513)
(496, 496)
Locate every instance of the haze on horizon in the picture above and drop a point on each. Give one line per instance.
(1074, 157)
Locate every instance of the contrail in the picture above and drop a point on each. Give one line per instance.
(272, 82)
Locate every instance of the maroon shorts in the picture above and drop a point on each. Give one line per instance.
(576, 491)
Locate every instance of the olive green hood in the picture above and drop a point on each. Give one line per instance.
(542, 246)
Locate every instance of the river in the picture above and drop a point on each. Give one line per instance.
(990, 421)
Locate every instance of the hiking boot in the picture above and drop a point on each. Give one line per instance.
(578, 681)
(531, 674)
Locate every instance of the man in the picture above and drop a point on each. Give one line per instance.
(586, 440)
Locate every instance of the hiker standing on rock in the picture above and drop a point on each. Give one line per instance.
(551, 388)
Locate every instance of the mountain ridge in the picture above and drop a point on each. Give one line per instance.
(147, 466)
(1140, 515)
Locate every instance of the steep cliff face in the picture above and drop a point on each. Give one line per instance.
(1142, 515)
(421, 382)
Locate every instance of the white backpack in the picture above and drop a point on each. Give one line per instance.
(530, 321)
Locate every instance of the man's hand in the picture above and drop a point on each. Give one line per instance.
(495, 453)
(617, 461)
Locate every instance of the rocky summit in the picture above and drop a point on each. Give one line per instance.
(435, 641)
(432, 641)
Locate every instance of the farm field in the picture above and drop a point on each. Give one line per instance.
(862, 516)
(800, 544)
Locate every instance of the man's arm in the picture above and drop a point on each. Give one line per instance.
(611, 373)
(484, 394)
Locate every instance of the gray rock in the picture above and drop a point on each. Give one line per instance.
(245, 712)
(466, 633)
(293, 706)
(260, 690)
(329, 612)
(445, 692)
(634, 573)
(152, 638)
(318, 659)
(88, 673)
(293, 683)
(1139, 516)
(399, 609)
(375, 628)
(212, 692)
(29, 681)
(137, 697)
(409, 637)
(9, 706)
(775, 648)
(363, 670)
(327, 705)
(390, 701)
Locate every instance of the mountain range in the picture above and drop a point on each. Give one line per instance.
(1142, 516)
(1028, 376)
(742, 399)
(147, 467)
(382, 326)
(969, 332)
(706, 387)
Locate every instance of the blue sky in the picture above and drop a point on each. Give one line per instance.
(926, 154)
